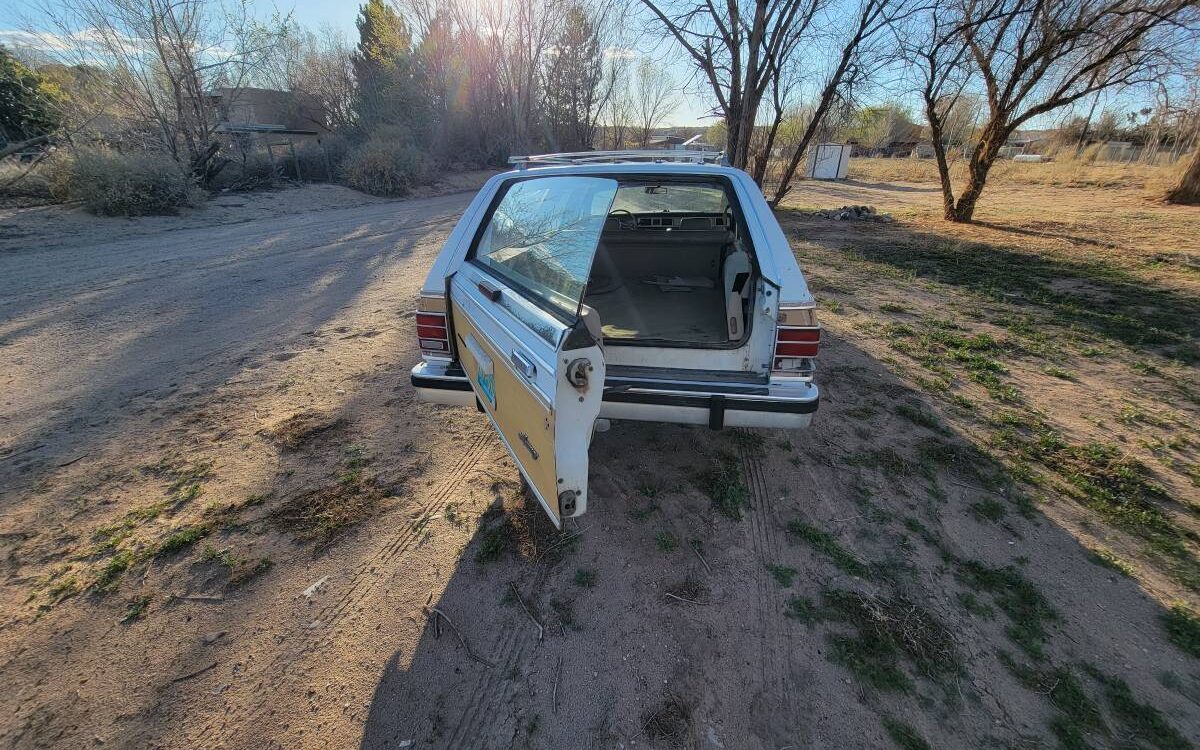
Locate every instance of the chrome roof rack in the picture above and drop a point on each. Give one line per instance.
(661, 155)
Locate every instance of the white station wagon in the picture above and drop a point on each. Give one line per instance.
(649, 285)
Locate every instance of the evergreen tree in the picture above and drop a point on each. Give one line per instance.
(27, 101)
(388, 90)
(572, 83)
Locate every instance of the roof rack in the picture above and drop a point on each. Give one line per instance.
(612, 157)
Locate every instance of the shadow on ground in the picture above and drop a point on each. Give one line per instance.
(660, 621)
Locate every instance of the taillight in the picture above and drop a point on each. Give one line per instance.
(432, 333)
(797, 339)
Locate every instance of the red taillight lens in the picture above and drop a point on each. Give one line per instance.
(432, 334)
(795, 346)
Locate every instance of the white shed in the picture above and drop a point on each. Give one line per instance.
(828, 161)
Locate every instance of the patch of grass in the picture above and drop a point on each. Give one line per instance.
(726, 486)
(111, 571)
(1108, 559)
(1138, 719)
(241, 570)
(666, 541)
(747, 439)
(585, 578)
(1078, 714)
(971, 603)
(803, 609)
(921, 416)
(887, 460)
(892, 307)
(1183, 628)
(1055, 371)
(62, 586)
(1114, 484)
(300, 429)
(494, 542)
(564, 609)
(827, 545)
(885, 629)
(641, 514)
(135, 608)
(323, 512)
(782, 574)
(1027, 609)
(182, 538)
(904, 735)
(669, 724)
(649, 489)
(989, 509)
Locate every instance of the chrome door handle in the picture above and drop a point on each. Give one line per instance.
(523, 364)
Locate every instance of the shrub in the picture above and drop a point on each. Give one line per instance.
(388, 168)
(116, 184)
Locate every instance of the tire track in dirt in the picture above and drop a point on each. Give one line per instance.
(364, 579)
(775, 644)
(512, 644)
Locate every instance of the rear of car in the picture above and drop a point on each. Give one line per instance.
(656, 290)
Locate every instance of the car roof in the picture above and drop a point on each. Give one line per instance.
(630, 167)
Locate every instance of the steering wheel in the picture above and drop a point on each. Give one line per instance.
(619, 214)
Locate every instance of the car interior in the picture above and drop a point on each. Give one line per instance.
(673, 267)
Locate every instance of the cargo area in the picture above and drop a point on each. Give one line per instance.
(671, 269)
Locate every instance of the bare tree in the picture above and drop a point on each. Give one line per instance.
(1187, 188)
(166, 57)
(863, 51)
(655, 98)
(1033, 57)
(738, 48)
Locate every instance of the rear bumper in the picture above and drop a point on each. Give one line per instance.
(782, 403)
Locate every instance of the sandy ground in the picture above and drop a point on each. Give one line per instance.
(219, 371)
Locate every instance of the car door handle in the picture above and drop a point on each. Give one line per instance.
(490, 291)
(523, 364)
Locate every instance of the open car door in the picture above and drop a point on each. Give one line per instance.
(521, 335)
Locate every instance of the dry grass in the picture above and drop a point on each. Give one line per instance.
(1060, 172)
(300, 429)
(321, 513)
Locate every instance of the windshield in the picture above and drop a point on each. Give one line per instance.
(667, 197)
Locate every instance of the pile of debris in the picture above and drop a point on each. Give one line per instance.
(851, 213)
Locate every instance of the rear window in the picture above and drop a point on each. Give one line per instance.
(542, 236)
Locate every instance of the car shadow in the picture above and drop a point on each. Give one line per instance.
(658, 620)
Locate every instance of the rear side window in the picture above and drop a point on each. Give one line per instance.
(542, 236)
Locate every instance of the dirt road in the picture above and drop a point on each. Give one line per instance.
(226, 523)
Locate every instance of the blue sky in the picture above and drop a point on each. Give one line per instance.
(693, 109)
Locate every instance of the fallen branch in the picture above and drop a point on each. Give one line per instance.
(434, 610)
(516, 593)
(554, 694)
(697, 551)
(199, 597)
(680, 598)
(195, 672)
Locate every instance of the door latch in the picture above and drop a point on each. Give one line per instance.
(577, 372)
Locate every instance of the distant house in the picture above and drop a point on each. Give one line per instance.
(276, 123)
(264, 109)
(1026, 142)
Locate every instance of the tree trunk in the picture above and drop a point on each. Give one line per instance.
(13, 148)
(943, 165)
(981, 162)
(1187, 190)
